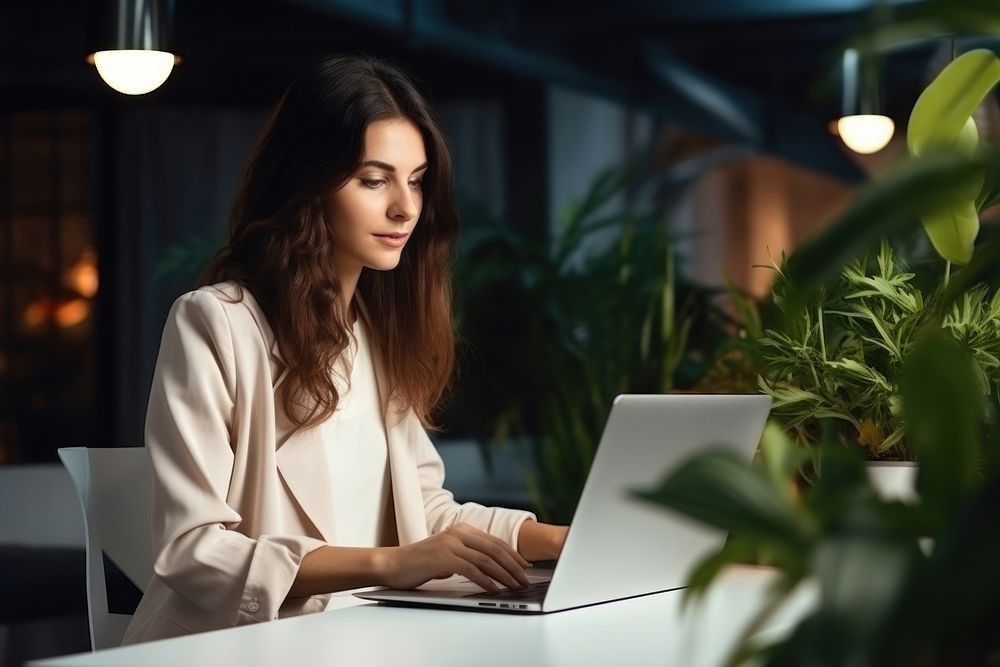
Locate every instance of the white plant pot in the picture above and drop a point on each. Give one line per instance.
(894, 480)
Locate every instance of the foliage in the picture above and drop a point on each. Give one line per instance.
(877, 584)
(885, 207)
(899, 584)
(560, 327)
(842, 357)
(736, 364)
(942, 116)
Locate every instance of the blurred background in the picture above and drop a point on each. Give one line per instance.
(606, 159)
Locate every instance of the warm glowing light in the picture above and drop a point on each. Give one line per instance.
(72, 312)
(866, 133)
(133, 71)
(66, 313)
(83, 276)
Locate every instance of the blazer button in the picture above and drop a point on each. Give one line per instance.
(252, 607)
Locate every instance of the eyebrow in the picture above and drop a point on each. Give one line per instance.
(387, 166)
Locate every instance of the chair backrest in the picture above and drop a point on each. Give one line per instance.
(115, 489)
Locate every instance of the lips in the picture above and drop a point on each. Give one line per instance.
(392, 239)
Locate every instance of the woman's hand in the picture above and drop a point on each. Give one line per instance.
(462, 550)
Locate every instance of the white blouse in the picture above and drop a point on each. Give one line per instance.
(357, 453)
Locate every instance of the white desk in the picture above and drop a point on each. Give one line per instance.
(649, 630)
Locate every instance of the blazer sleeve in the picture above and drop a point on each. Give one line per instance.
(440, 507)
(200, 555)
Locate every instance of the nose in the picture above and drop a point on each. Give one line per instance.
(405, 206)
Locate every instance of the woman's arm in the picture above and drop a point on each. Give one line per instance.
(188, 423)
(540, 541)
(330, 569)
(461, 549)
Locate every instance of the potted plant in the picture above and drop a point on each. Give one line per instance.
(886, 594)
(883, 599)
(843, 357)
(840, 353)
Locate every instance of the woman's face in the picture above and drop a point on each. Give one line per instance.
(375, 211)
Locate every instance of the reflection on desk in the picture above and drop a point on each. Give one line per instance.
(648, 630)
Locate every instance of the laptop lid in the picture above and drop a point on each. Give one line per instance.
(619, 547)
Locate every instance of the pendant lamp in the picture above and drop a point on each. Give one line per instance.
(861, 127)
(136, 57)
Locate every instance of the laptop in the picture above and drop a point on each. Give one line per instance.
(617, 546)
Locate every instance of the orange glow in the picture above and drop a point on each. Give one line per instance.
(769, 223)
(83, 276)
(70, 313)
(67, 313)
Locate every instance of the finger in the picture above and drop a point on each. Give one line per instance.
(475, 575)
(489, 566)
(521, 560)
(500, 552)
(467, 532)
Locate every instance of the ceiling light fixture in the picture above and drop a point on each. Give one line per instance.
(861, 127)
(139, 59)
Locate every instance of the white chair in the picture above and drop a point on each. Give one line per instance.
(115, 489)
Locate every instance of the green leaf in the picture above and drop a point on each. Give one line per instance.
(943, 423)
(985, 265)
(704, 573)
(942, 117)
(787, 395)
(862, 372)
(897, 199)
(842, 480)
(947, 615)
(953, 230)
(721, 490)
(861, 579)
(781, 458)
(893, 438)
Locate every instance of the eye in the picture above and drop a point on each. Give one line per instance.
(417, 184)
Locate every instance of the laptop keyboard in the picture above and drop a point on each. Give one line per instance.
(535, 591)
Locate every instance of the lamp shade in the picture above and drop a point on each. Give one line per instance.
(861, 126)
(134, 56)
(867, 133)
(134, 71)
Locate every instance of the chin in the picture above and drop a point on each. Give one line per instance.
(383, 263)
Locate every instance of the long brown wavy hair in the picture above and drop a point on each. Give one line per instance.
(280, 246)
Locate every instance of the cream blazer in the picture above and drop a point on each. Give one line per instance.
(238, 499)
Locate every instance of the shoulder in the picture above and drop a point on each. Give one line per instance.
(232, 299)
(230, 296)
(224, 307)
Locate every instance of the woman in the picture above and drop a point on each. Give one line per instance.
(286, 421)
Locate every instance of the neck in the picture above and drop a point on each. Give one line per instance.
(348, 277)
